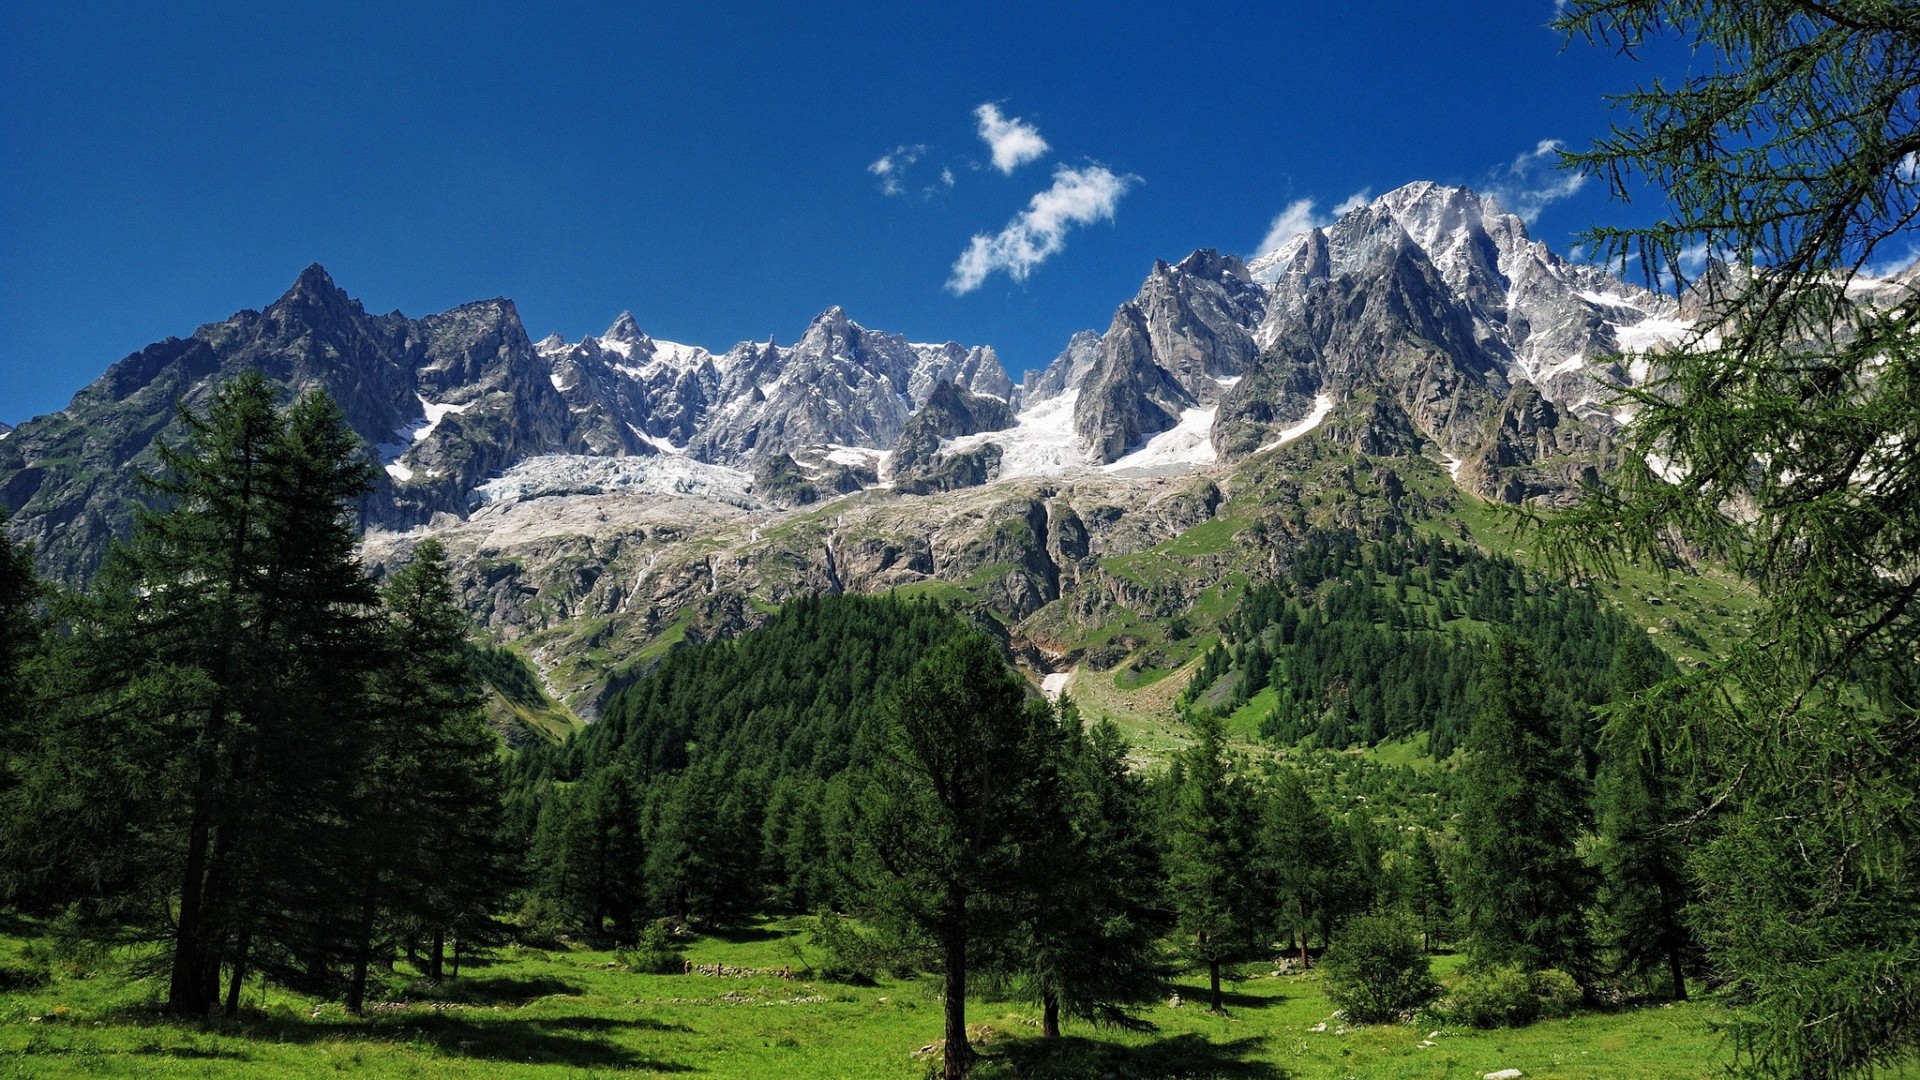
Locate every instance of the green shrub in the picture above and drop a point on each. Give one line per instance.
(1556, 992)
(1506, 996)
(656, 953)
(1498, 996)
(1377, 971)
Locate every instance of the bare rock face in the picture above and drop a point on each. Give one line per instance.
(842, 384)
(1176, 345)
(919, 464)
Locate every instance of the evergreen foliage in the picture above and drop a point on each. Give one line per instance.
(1644, 889)
(1780, 439)
(1211, 857)
(433, 860)
(1307, 871)
(1522, 810)
(241, 767)
(1093, 928)
(1355, 656)
(963, 818)
(723, 781)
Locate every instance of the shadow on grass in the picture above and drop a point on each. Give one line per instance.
(1196, 995)
(1178, 1055)
(743, 935)
(492, 990)
(571, 1041)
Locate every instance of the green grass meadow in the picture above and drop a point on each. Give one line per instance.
(576, 1013)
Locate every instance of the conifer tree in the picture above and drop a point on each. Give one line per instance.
(1524, 888)
(21, 628)
(965, 797)
(429, 798)
(1301, 859)
(1779, 438)
(1090, 948)
(1211, 860)
(201, 763)
(1643, 884)
(1429, 896)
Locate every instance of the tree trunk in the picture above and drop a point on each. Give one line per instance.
(1678, 972)
(456, 957)
(1050, 1014)
(239, 973)
(1213, 977)
(435, 960)
(362, 956)
(958, 1053)
(185, 983)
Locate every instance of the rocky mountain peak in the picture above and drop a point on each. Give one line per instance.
(624, 330)
(314, 300)
(1212, 265)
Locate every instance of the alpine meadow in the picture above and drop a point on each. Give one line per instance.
(1426, 645)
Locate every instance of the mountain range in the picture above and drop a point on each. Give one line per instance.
(609, 497)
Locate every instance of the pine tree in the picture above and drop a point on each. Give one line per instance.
(1523, 886)
(1091, 939)
(1211, 861)
(965, 796)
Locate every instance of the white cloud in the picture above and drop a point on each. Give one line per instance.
(1353, 202)
(946, 177)
(1077, 197)
(1909, 168)
(893, 165)
(1014, 141)
(1534, 180)
(1300, 217)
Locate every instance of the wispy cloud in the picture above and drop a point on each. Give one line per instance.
(1301, 216)
(1014, 141)
(893, 165)
(1077, 197)
(1533, 181)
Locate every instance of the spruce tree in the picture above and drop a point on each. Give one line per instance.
(963, 801)
(1522, 806)
(1211, 861)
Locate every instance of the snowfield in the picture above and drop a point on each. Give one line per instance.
(672, 475)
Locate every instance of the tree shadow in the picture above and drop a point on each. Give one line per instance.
(744, 935)
(1177, 1055)
(491, 990)
(1197, 996)
(572, 1041)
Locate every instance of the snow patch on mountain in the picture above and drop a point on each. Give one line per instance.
(1187, 445)
(1043, 443)
(1322, 405)
(414, 433)
(673, 475)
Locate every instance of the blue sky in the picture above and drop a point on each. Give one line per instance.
(711, 166)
